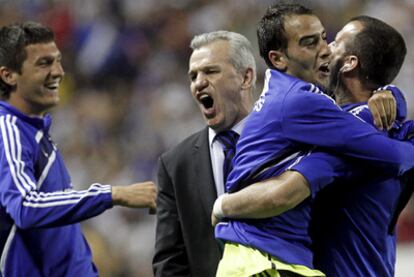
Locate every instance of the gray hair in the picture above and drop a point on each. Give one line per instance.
(241, 54)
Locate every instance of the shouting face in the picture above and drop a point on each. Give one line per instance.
(216, 85)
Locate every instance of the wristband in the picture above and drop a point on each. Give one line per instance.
(217, 209)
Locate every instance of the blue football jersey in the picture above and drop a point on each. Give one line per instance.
(351, 217)
(290, 118)
(39, 212)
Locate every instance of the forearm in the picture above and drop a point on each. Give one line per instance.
(40, 210)
(138, 195)
(267, 198)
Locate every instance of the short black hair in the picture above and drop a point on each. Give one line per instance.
(380, 49)
(271, 33)
(13, 40)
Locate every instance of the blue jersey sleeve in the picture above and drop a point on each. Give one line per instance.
(321, 169)
(314, 119)
(20, 192)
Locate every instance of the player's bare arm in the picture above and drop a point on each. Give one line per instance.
(138, 195)
(263, 199)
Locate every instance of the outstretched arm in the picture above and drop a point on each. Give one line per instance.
(138, 195)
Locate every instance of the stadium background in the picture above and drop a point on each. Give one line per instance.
(126, 99)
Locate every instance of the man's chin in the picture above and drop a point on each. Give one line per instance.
(217, 126)
(50, 104)
(212, 122)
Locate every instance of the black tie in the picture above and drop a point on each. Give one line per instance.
(228, 140)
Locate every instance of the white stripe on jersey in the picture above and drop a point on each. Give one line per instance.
(385, 87)
(39, 136)
(299, 159)
(13, 151)
(61, 203)
(67, 197)
(13, 165)
(94, 186)
(21, 163)
(50, 161)
(291, 157)
(357, 110)
(6, 249)
(316, 90)
(268, 74)
(43, 197)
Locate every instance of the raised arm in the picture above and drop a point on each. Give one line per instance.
(314, 119)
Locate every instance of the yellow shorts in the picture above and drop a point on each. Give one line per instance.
(242, 261)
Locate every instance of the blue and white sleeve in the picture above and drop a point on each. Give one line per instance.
(22, 200)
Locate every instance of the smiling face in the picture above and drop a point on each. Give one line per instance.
(216, 86)
(37, 86)
(307, 53)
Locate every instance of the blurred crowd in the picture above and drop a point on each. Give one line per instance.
(126, 99)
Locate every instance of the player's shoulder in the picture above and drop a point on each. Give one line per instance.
(11, 122)
(186, 147)
(305, 96)
(362, 111)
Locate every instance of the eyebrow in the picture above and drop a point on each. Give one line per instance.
(205, 67)
(50, 56)
(313, 36)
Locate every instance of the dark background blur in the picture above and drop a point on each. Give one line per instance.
(126, 98)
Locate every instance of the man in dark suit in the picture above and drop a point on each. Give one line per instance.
(222, 73)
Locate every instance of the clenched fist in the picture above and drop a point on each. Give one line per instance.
(138, 195)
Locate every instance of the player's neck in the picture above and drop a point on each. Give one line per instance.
(352, 92)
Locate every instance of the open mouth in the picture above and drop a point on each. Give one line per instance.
(206, 100)
(324, 68)
(52, 86)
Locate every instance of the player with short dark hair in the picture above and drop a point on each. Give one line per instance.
(40, 234)
(290, 117)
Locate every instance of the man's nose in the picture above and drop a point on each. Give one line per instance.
(57, 70)
(326, 50)
(201, 82)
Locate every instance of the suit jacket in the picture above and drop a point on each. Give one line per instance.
(185, 243)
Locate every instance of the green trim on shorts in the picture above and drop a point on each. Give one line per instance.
(242, 261)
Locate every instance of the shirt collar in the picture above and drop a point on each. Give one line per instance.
(39, 122)
(236, 128)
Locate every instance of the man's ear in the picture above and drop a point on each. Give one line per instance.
(8, 76)
(278, 60)
(248, 77)
(350, 63)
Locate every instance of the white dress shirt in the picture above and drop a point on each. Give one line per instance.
(217, 155)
